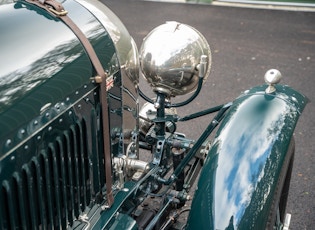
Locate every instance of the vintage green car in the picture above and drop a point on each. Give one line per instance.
(77, 152)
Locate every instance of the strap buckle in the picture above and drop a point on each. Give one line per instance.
(58, 13)
(54, 7)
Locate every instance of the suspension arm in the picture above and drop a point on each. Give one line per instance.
(213, 124)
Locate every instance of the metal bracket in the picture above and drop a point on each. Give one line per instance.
(158, 151)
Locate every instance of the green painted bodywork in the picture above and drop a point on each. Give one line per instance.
(52, 170)
(239, 178)
(51, 155)
(54, 71)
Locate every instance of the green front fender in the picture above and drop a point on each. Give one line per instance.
(238, 180)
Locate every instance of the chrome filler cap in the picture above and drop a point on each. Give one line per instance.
(272, 77)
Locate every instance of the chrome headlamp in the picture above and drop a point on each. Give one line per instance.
(169, 58)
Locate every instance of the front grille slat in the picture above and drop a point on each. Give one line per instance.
(94, 134)
(55, 182)
(9, 206)
(49, 187)
(3, 208)
(17, 185)
(76, 175)
(31, 194)
(83, 177)
(16, 189)
(63, 182)
(70, 189)
(58, 183)
(40, 191)
(45, 191)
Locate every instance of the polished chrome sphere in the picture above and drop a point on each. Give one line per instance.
(169, 58)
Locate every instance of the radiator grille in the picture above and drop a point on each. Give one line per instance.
(55, 187)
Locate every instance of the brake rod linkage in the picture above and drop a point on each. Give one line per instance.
(213, 124)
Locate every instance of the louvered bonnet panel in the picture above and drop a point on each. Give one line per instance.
(64, 173)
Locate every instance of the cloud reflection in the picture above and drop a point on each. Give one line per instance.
(243, 155)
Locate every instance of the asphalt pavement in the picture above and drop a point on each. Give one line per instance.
(246, 43)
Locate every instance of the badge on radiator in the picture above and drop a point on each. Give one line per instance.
(109, 82)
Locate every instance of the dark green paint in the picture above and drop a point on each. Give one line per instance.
(125, 222)
(54, 71)
(47, 97)
(239, 177)
(110, 218)
(47, 100)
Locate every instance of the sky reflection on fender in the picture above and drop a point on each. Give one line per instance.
(241, 159)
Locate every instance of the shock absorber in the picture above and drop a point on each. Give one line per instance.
(178, 155)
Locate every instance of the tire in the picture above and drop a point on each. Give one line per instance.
(282, 190)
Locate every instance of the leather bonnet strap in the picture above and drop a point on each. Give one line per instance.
(57, 10)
